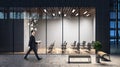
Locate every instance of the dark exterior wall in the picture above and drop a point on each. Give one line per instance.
(11, 35)
(102, 15)
(18, 35)
(6, 36)
(102, 24)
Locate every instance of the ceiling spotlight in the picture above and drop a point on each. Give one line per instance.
(85, 12)
(45, 10)
(77, 14)
(59, 12)
(65, 15)
(88, 15)
(73, 10)
(53, 14)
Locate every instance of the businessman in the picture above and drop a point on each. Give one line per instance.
(33, 46)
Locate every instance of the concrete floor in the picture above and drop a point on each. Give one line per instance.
(53, 61)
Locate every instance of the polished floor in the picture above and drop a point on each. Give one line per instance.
(54, 61)
(59, 51)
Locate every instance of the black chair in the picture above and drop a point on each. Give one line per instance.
(78, 46)
(83, 44)
(89, 46)
(63, 46)
(73, 45)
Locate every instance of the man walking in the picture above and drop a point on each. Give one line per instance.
(32, 45)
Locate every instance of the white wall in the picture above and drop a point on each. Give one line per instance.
(70, 29)
(54, 32)
(26, 35)
(86, 29)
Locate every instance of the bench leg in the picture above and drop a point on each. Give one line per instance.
(68, 59)
(97, 58)
(89, 60)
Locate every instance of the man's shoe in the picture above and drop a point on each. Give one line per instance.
(25, 58)
(39, 58)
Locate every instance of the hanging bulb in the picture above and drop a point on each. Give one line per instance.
(65, 15)
(31, 28)
(31, 25)
(35, 29)
(28, 24)
(59, 12)
(35, 21)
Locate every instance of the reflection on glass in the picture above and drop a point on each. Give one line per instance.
(58, 29)
(112, 33)
(40, 26)
(112, 15)
(119, 33)
(119, 5)
(70, 28)
(1, 15)
(118, 15)
(54, 30)
(112, 24)
(112, 42)
(118, 24)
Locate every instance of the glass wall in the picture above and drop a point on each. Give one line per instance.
(70, 28)
(60, 30)
(54, 30)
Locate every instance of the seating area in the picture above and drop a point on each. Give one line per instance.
(66, 48)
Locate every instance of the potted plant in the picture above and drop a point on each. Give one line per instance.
(97, 46)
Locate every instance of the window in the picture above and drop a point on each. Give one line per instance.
(112, 42)
(118, 15)
(26, 15)
(119, 6)
(112, 15)
(112, 24)
(119, 33)
(22, 15)
(118, 24)
(112, 33)
(1, 15)
(11, 15)
(18, 14)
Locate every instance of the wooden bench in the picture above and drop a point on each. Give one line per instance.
(80, 56)
(103, 56)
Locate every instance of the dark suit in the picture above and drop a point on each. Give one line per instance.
(33, 46)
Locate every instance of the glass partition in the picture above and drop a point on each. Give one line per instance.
(60, 30)
(54, 30)
(70, 29)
